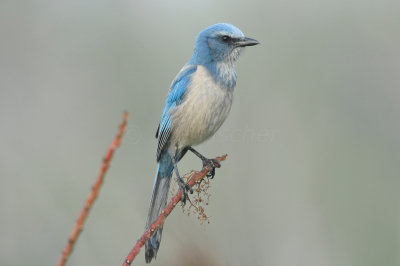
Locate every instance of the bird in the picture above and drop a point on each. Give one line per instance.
(199, 100)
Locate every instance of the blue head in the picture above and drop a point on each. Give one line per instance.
(219, 43)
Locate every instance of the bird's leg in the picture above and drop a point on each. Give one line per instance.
(183, 186)
(211, 163)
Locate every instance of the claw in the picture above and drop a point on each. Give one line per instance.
(184, 187)
(212, 164)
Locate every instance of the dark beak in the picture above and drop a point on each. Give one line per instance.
(246, 42)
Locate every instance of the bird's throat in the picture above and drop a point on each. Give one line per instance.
(224, 74)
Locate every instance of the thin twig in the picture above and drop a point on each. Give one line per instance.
(93, 194)
(164, 214)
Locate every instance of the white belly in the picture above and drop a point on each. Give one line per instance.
(205, 108)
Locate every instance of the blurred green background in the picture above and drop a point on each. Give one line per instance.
(312, 176)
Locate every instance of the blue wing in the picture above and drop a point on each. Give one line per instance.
(175, 97)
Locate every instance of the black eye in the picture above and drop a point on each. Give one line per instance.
(226, 38)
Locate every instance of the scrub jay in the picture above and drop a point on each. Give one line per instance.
(198, 102)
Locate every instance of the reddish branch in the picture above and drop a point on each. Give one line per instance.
(93, 194)
(164, 214)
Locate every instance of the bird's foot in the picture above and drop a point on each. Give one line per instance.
(183, 186)
(212, 164)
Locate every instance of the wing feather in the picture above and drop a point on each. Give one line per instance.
(175, 98)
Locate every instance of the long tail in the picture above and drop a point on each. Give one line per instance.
(158, 203)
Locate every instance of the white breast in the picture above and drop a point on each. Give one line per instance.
(204, 109)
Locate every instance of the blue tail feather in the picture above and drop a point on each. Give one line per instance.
(158, 203)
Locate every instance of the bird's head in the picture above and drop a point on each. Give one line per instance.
(220, 42)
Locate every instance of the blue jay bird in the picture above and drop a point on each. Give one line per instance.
(198, 102)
